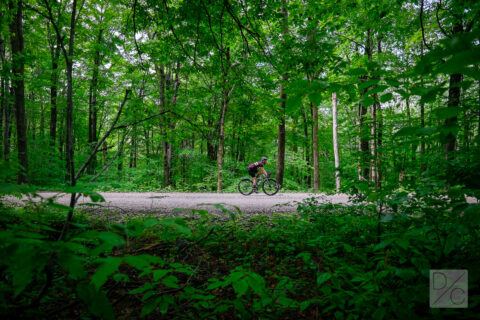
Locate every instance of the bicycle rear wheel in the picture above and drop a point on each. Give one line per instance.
(245, 186)
(270, 186)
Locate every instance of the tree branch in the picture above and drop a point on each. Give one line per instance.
(105, 136)
(142, 120)
(438, 21)
(423, 29)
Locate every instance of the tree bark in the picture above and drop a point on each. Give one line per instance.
(451, 123)
(283, 97)
(306, 146)
(171, 126)
(454, 92)
(6, 110)
(364, 144)
(335, 142)
(316, 171)
(364, 167)
(92, 103)
(19, 88)
(221, 136)
(54, 55)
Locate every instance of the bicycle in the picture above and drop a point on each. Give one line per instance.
(269, 185)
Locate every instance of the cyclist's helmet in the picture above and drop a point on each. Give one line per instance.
(264, 159)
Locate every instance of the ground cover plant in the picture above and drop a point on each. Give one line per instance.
(324, 261)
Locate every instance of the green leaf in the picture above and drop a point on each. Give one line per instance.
(368, 83)
(178, 224)
(171, 282)
(384, 244)
(322, 278)
(159, 274)
(293, 103)
(256, 282)
(315, 98)
(26, 262)
(108, 267)
(55, 205)
(73, 264)
(386, 97)
(111, 239)
(448, 112)
(150, 305)
(240, 286)
(451, 242)
(357, 72)
(377, 89)
(367, 101)
(406, 131)
(305, 304)
(393, 83)
(96, 301)
(121, 277)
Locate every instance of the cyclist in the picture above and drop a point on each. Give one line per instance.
(254, 172)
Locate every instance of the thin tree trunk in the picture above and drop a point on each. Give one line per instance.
(373, 150)
(316, 171)
(283, 97)
(42, 121)
(3, 98)
(453, 101)
(306, 147)
(223, 113)
(335, 142)
(423, 167)
(168, 147)
(221, 136)
(379, 146)
(364, 145)
(19, 88)
(454, 92)
(92, 103)
(55, 55)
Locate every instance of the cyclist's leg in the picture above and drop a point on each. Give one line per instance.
(253, 174)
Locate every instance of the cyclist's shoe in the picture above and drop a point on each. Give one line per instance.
(255, 189)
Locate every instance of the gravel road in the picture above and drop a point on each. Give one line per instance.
(166, 203)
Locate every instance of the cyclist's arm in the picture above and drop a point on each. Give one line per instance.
(264, 172)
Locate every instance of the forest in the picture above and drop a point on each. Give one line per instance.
(379, 100)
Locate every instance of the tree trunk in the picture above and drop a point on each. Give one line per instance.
(364, 166)
(281, 136)
(423, 167)
(364, 145)
(306, 147)
(168, 147)
(454, 92)
(223, 112)
(19, 88)
(451, 123)
(335, 141)
(55, 55)
(316, 171)
(283, 97)
(92, 103)
(221, 135)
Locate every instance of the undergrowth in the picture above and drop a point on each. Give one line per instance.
(323, 262)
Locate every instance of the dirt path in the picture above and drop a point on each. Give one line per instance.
(166, 203)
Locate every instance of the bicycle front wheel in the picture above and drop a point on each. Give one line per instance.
(270, 186)
(245, 186)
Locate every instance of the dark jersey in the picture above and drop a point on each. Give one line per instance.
(255, 165)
